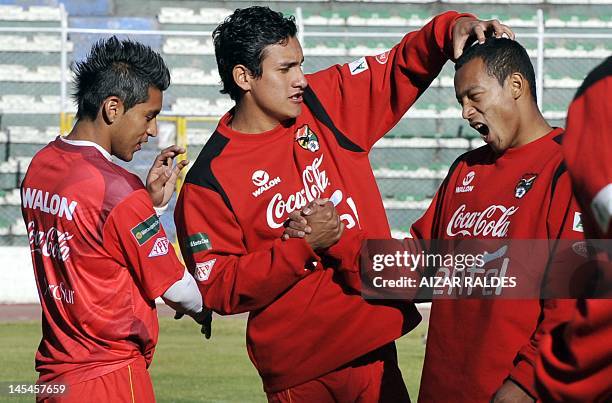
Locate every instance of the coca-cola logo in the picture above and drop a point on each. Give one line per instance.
(50, 243)
(492, 221)
(314, 181)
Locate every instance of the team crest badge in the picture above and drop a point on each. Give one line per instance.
(383, 57)
(202, 271)
(524, 185)
(307, 139)
(160, 248)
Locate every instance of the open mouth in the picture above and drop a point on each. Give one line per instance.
(481, 128)
(296, 97)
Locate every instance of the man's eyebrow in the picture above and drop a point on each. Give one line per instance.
(469, 89)
(290, 63)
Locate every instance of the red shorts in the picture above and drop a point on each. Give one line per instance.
(130, 384)
(375, 377)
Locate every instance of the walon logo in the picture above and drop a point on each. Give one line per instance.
(466, 183)
(261, 179)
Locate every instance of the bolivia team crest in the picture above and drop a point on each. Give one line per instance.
(383, 57)
(307, 139)
(524, 185)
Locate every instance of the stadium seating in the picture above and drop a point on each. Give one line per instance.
(9, 12)
(19, 73)
(192, 76)
(409, 162)
(179, 15)
(37, 43)
(188, 46)
(201, 107)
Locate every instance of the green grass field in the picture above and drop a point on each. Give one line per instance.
(186, 367)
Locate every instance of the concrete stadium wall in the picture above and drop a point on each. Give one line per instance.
(17, 285)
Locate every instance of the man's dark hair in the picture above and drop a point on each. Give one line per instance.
(121, 68)
(242, 38)
(501, 57)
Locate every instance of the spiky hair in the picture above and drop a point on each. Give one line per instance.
(122, 68)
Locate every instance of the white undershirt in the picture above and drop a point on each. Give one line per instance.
(87, 143)
(184, 293)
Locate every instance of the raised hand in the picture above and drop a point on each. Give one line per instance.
(162, 177)
(472, 28)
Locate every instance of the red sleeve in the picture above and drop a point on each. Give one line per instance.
(561, 225)
(134, 236)
(587, 148)
(345, 255)
(575, 361)
(366, 98)
(425, 227)
(232, 279)
(349, 259)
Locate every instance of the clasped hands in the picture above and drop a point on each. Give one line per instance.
(318, 223)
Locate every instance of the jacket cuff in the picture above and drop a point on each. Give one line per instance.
(346, 251)
(523, 375)
(301, 256)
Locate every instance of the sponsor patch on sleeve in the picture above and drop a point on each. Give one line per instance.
(578, 222)
(198, 242)
(202, 271)
(358, 66)
(146, 229)
(160, 248)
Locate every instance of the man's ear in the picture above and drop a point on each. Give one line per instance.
(518, 85)
(112, 109)
(242, 77)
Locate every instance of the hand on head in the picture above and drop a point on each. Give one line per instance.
(469, 28)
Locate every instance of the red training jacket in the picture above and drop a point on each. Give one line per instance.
(575, 362)
(100, 258)
(474, 345)
(230, 212)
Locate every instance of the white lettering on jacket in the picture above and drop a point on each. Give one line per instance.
(61, 293)
(314, 182)
(494, 221)
(50, 243)
(39, 200)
